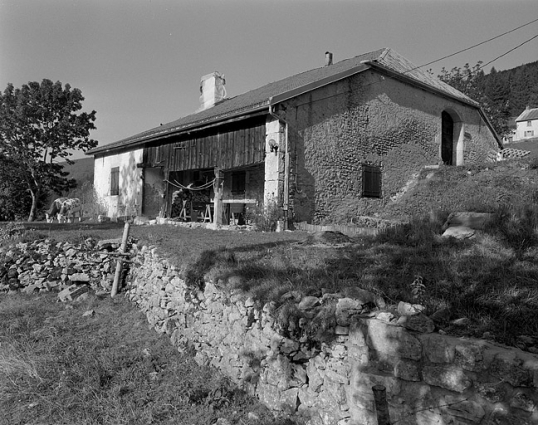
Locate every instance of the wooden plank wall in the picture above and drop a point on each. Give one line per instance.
(227, 147)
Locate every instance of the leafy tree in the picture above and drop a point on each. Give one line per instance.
(39, 124)
(470, 81)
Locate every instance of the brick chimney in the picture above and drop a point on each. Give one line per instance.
(212, 90)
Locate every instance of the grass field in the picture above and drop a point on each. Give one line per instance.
(59, 366)
(491, 280)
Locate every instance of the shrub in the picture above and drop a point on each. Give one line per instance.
(11, 231)
(265, 218)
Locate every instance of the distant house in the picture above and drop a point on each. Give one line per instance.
(527, 124)
(323, 146)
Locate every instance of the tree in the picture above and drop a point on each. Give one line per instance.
(470, 81)
(40, 124)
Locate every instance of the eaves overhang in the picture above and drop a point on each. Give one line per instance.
(144, 139)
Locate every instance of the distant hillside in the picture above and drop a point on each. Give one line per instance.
(81, 170)
(513, 89)
(480, 188)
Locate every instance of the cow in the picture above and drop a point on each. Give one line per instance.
(54, 209)
(69, 209)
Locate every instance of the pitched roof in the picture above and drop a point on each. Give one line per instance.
(528, 115)
(262, 97)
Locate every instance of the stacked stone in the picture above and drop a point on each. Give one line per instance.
(319, 357)
(45, 265)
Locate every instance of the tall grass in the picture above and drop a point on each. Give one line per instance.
(59, 367)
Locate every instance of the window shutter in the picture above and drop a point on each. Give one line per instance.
(115, 181)
(371, 181)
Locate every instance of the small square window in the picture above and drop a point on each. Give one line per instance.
(529, 123)
(115, 181)
(371, 181)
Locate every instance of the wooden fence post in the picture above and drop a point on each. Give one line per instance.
(381, 405)
(119, 262)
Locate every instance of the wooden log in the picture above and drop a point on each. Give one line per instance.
(119, 262)
(381, 405)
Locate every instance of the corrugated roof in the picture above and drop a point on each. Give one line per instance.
(259, 98)
(528, 115)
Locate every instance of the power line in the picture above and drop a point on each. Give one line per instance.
(476, 45)
(511, 50)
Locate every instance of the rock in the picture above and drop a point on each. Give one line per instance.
(109, 244)
(88, 313)
(419, 323)
(459, 232)
(463, 321)
(460, 407)
(441, 315)
(407, 309)
(308, 303)
(471, 220)
(346, 308)
(448, 377)
(72, 293)
(79, 277)
(294, 296)
(362, 295)
(385, 316)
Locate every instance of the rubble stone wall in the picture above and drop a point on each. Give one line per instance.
(320, 357)
(317, 357)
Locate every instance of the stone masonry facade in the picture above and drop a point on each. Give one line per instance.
(374, 120)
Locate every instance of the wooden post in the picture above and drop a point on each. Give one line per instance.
(381, 405)
(119, 262)
(217, 190)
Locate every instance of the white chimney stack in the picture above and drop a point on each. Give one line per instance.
(212, 90)
(328, 58)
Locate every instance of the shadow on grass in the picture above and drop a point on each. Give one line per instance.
(481, 280)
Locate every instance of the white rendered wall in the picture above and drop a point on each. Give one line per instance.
(129, 200)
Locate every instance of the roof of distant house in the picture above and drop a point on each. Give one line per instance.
(528, 114)
(258, 99)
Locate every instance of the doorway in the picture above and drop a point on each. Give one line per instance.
(447, 139)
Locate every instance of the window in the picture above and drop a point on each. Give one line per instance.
(115, 181)
(529, 123)
(371, 181)
(238, 182)
(529, 133)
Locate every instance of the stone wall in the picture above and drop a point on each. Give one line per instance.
(46, 265)
(319, 357)
(369, 119)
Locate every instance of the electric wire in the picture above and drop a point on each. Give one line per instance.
(476, 45)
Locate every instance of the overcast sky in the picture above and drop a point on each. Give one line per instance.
(139, 62)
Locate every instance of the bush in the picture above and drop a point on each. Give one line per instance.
(265, 218)
(11, 231)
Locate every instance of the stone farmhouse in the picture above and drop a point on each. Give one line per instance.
(323, 146)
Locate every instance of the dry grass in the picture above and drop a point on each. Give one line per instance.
(58, 367)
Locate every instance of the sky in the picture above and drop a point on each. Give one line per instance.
(138, 63)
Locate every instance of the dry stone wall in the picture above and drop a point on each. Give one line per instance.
(46, 265)
(319, 357)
